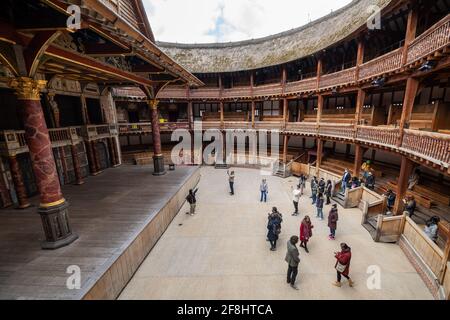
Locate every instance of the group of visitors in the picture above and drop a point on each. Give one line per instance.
(318, 189)
(342, 265)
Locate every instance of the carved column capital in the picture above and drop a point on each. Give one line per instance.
(28, 88)
(153, 104)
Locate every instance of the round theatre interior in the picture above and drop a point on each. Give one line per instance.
(84, 108)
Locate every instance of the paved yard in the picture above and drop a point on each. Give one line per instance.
(222, 253)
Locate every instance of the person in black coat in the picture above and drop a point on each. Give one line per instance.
(328, 191)
(370, 181)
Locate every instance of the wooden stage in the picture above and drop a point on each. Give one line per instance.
(118, 215)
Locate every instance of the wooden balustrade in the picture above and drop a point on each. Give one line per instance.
(302, 127)
(237, 92)
(205, 93)
(386, 63)
(380, 135)
(205, 125)
(337, 130)
(434, 146)
(269, 125)
(173, 93)
(301, 86)
(435, 38)
(430, 253)
(268, 90)
(335, 79)
(237, 125)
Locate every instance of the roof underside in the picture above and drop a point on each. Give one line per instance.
(277, 49)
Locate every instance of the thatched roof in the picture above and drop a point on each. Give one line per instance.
(276, 49)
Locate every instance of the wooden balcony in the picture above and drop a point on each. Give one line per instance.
(205, 93)
(173, 93)
(273, 89)
(384, 64)
(13, 142)
(434, 39)
(269, 125)
(301, 86)
(341, 78)
(307, 128)
(96, 132)
(145, 128)
(207, 125)
(385, 136)
(431, 146)
(237, 92)
(344, 131)
(243, 125)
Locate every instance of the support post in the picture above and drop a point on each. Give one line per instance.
(406, 169)
(53, 208)
(361, 97)
(319, 155)
(158, 158)
(285, 148)
(359, 153)
(19, 185)
(412, 86)
(76, 165)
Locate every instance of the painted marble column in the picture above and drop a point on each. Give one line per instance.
(158, 158)
(53, 208)
(96, 157)
(116, 151)
(19, 186)
(112, 152)
(91, 159)
(5, 196)
(76, 165)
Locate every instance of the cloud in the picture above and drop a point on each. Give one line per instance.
(203, 21)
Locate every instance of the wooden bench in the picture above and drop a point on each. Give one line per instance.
(420, 199)
(433, 195)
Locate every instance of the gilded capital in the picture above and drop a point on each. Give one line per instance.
(153, 104)
(27, 88)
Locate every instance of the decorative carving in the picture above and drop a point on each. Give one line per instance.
(118, 62)
(54, 107)
(67, 41)
(27, 88)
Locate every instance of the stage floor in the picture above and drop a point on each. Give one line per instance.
(107, 213)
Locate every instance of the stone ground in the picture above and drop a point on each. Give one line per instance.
(222, 253)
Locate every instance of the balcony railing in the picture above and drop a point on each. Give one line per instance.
(237, 125)
(435, 38)
(237, 92)
(301, 86)
(205, 93)
(434, 146)
(343, 77)
(13, 141)
(378, 135)
(384, 64)
(267, 90)
(337, 130)
(269, 125)
(308, 128)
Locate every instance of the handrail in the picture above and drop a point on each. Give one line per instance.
(433, 39)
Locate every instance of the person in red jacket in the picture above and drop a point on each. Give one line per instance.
(305, 232)
(343, 264)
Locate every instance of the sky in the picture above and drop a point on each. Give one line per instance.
(207, 21)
